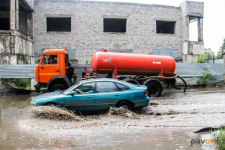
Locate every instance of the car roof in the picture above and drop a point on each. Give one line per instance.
(108, 79)
(99, 79)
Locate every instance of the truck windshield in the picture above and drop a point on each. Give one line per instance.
(69, 89)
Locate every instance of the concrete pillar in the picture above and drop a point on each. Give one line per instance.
(14, 14)
(200, 29)
(33, 82)
(17, 14)
(0, 113)
(224, 60)
(224, 65)
(185, 21)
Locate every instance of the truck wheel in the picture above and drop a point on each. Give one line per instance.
(125, 105)
(57, 87)
(154, 89)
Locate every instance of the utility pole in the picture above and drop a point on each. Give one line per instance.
(224, 61)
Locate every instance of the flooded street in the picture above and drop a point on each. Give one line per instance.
(168, 122)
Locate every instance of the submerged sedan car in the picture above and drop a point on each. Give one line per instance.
(96, 94)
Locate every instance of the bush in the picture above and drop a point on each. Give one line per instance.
(201, 58)
(220, 140)
(21, 83)
(206, 76)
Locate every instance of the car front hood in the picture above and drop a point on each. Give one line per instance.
(48, 95)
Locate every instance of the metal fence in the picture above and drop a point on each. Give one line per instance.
(215, 61)
(17, 71)
(190, 72)
(193, 71)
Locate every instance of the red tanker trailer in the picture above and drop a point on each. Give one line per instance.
(149, 70)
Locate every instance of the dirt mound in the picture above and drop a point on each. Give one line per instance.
(158, 112)
(153, 103)
(122, 112)
(52, 112)
(171, 112)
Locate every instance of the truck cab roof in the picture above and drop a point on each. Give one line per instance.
(55, 51)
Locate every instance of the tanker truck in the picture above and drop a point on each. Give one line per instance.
(153, 71)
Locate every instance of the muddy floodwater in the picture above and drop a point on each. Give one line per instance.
(168, 122)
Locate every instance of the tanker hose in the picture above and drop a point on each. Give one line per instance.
(185, 84)
(162, 77)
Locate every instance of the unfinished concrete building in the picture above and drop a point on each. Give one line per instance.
(16, 32)
(87, 26)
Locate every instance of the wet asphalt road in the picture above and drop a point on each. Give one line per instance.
(166, 124)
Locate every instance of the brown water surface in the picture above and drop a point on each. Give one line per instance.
(20, 130)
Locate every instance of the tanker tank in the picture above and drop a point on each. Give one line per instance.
(133, 64)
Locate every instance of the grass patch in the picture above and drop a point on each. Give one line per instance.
(220, 139)
(21, 83)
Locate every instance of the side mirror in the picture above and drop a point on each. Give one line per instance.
(67, 59)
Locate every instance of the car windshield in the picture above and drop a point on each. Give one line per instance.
(69, 89)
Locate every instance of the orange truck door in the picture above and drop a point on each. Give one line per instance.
(49, 68)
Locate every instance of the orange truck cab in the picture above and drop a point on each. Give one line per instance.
(54, 71)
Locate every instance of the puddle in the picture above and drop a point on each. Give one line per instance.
(16, 101)
(180, 116)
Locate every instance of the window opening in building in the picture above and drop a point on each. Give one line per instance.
(4, 23)
(114, 25)
(59, 24)
(4, 14)
(167, 27)
(193, 29)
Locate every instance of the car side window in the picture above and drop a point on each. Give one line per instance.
(122, 87)
(103, 87)
(86, 88)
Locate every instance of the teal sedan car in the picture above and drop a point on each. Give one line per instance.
(96, 94)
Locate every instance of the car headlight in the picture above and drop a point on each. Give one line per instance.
(33, 103)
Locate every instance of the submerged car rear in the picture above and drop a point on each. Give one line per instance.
(139, 96)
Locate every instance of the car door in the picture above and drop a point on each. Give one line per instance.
(81, 101)
(106, 94)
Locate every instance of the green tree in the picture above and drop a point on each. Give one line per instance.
(209, 54)
(220, 52)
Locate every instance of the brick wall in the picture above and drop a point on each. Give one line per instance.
(87, 34)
